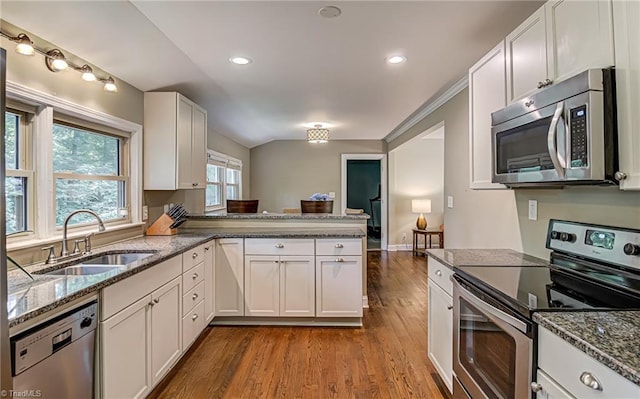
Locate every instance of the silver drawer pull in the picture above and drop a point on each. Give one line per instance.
(338, 245)
(195, 276)
(279, 245)
(206, 249)
(339, 260)
(194, 317)
(535, 387)
(156, 300)
(152, 304)
(449, 307)
(438, 273)
(195, 296)
(194, 255)
(589, 380)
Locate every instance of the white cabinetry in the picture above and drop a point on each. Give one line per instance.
(166, 345)
(559, 40)
(487, 94)
(279, 277)
(209, 281)
(626, 15)
(566, 376)
(229, 277)
(175, 144)
(194, 288)
(440, 320)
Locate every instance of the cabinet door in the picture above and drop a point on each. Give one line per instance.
(165, 331)
(627, 41)
(526, 56)
(229, 277)
(550, 388)
(440, 332)
(297, 286)
(125, 352)
(209, 282)
(579, 36)
(487, 94)
(183, 143)
(262, 285)
(199, 148)
(338, 286)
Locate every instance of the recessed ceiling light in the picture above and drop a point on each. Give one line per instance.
(240, 60)
(396, 59)
(329, 12)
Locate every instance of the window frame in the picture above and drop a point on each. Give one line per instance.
(226, 162)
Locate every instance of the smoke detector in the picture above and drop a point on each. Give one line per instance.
(329, 12)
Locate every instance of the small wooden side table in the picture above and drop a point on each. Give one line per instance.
(417, 249)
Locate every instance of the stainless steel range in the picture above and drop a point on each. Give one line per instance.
(591, 266)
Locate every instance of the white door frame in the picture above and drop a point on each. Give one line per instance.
(383, 189)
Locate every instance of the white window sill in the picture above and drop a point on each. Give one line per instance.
(26, 242)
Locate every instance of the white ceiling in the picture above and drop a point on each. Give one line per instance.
(305, 68)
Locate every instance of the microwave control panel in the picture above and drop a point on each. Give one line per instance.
(579, 142)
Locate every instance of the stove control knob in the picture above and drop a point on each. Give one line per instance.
(555, 235)
(86, 322)
(567, 237)
(631, 249)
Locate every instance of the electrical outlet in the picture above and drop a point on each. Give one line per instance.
(404, 237)
(145, 212)
(533, 210)
(332, 194)
(450, 201)
(165, 208)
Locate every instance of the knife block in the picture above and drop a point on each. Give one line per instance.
(161, 227)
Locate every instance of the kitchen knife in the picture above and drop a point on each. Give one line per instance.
(173, 211)
(177, 223)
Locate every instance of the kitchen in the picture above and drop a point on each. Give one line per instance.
(478, 219)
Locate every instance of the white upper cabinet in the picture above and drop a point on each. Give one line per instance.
(580, 36)
(526, 56)
(175, 142)
(487, 93)
(626, 15)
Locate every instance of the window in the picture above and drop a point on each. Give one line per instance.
(19, 175)
(89, 173)
(224, 180)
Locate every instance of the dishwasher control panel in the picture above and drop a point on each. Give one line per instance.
(42, 341)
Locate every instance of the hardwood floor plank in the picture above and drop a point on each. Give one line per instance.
(386, 358)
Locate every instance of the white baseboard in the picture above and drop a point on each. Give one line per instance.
(365, 302)
(399, 247)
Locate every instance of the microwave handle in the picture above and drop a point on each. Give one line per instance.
(551, 140)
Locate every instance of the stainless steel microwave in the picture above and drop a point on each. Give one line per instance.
(563, 134)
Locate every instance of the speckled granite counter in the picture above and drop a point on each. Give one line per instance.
(612, 338)
(484, 257)
(277, 216)
(28, 299)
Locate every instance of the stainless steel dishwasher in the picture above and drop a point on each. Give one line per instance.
(55, 359)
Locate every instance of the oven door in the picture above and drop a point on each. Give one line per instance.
(492, 353)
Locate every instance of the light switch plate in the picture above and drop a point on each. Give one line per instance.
(145, 212)
(450, 201)
(332, 194)
(533, 210)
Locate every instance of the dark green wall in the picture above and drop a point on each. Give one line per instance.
(363, 178)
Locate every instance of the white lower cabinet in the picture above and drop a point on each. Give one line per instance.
(339, 286)
(440, 332)
(229, 277)
(165, 333)
(549, 388)
(297, 286)
(262, 285)
(209, 281)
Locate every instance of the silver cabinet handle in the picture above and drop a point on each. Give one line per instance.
(438, 273)
(152, 304)
(338, 245)
(206, 249)
(339, 260)
(195, 276)
(449, 307)
(535, 387)
(194, 255)
(540, 85)
(279, 245)
(194, 317)
(589, 380)
(195, 296)
(156, 300)
(276, 261)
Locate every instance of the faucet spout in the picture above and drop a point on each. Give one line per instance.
(101, 228)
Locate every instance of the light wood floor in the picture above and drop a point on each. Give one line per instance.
(384, 359)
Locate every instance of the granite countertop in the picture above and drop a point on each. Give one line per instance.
(484, 257)
(28, 299)
(612, 337)
(278, 216)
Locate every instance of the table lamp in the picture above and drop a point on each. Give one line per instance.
(421, 206)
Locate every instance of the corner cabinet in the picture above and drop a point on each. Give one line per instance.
(626, 15)
(175, 142)
(487, 94)
(440, 320)
(229, 277)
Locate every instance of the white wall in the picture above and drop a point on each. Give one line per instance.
(416, 171)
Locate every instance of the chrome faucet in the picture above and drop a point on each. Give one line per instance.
(65, 251)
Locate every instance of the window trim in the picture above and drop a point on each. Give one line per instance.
(228, 162)
(45, 105)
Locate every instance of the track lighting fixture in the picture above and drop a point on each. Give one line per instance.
(87, 73)
(55, 60)
(24, 45)
(109, 84)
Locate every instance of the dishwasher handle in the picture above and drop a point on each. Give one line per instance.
(61, 340)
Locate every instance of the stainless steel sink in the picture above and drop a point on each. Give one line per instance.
(85, 270)
(117, 259)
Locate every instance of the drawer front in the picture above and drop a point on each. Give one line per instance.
(192, 257)
(192, 277)
(567, 368)
(339, 246)
(441, 275)
(285, 246)
(192, 325)
(192, 297)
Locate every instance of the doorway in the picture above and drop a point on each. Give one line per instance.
(364, 187)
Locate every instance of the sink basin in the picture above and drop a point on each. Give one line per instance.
(84, 270)
(117, 259)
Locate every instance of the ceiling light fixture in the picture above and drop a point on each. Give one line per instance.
(24, 45)
(318, 134)
(109, 84)
(240, 60)
(87, 73)
(396, 59)
(55, 60)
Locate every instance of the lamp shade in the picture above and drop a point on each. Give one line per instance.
(421, 206)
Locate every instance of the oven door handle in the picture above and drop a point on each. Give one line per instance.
(480, 304)
(558, 163)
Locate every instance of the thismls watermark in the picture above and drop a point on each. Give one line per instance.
(25, 393)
